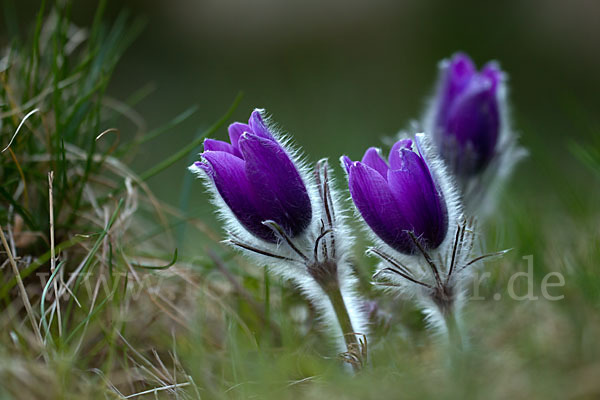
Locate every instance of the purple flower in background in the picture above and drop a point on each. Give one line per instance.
(257, 180)
(400, 202)
(466, 114)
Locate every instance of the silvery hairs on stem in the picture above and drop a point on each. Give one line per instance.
(469, 120)
(279, 213)
(414, 214)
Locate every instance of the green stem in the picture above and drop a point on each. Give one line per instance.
(339, 307)
(454, 334)
(267, 283)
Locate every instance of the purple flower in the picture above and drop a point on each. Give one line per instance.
(258, 181)
(466, 114)
(398, 200)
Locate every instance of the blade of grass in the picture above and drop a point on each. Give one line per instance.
(152, 267)
(153, 134)
(192, 145)
(27, 217)
(589, 157)
(90, 315)
(186, 190)
(35, 56)
(89, 258)
(45, 323)
(22, 175)
(31, 268)
(52, 253)
(22, 290)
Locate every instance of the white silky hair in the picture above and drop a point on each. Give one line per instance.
(482, 191)
(435, 319)
(296, 271)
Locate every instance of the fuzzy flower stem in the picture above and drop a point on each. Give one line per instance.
(454, 334)
(339, 307)
(325, 273)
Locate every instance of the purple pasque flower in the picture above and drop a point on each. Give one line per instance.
(257, 180)
(280, 217)
(401, 201)
(466, 114)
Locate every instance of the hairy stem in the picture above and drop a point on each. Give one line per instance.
(339, 307)
(454, 334)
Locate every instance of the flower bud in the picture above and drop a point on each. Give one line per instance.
(399, 201)
(466, 114)
(257, 180)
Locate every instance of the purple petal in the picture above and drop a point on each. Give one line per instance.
(280, 191)
(396, 153)
(205, 167)
(258, 126)
(460, 71)
(461, 65)
(455, 77)
(235, 132)
(378, 207)
(218, 145)
(474, 120)
(347, 163)
(492, 72)
(228, 172)
(418, 199)
(373, 159)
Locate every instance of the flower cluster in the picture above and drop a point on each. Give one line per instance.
(288, 216)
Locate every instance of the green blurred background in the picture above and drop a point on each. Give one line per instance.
(340, 75)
